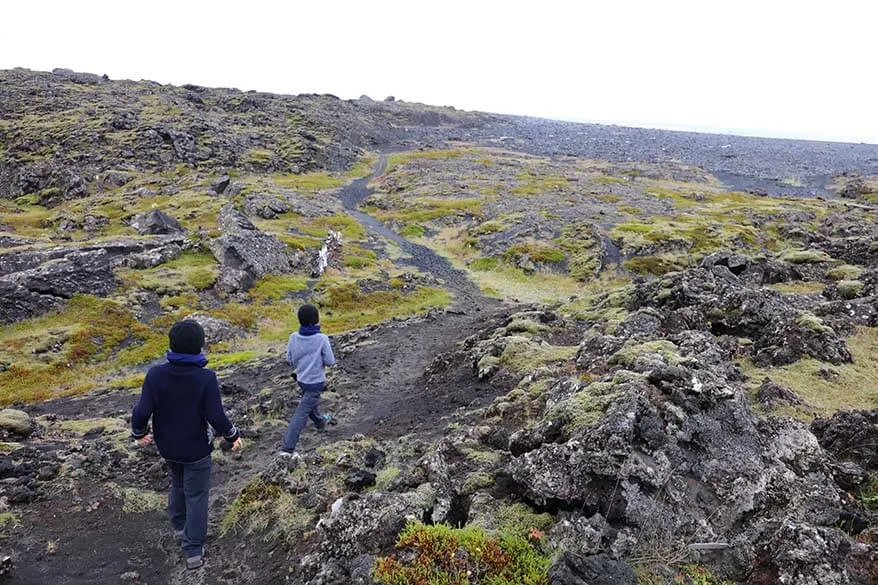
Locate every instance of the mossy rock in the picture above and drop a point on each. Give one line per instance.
(632, 350)
(813, 322)
(845, 272)
(850, 289)
(582, 245)
(805, 256)
(15, 421)
(584, 408)
(654, 265)
(522, 325)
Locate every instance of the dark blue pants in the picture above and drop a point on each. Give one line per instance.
(308, 408)
(187, 502)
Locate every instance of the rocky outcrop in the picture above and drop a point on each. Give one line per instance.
(726, 304)
(156, 222)
(216, 330)
(36, 280)
(245, 253)
(850, 436)
(52, 183)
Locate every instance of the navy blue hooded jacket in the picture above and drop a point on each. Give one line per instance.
(182, 397)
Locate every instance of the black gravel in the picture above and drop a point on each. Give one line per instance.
(741, 162)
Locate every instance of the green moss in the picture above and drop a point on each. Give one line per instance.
(9, 447)
(583, 249)
(520, 520)
(311, 182)
(440, 555)
(401, 158)
(240, 314)
(413, 230)
(812, 322)
(488, 227)
(230, 359)
(354, 261)
(317, 227)
(523, 355)
(424, 209)
(263, 508)
(186, 302)
(484, 264)
(275, 287)
(633, 350)
(344, 307)
(87, 331)
(8, 521)
(139, 501)
(655, 265)
(258, 156)
(805, 256)
(868, 493)
(844, 272)
(799, 287)
(688, 574)
(476, 481)
(847, 386)
(535, 251)
(607, 180)
(84, 425)
(584, 408)
(192, 271)
(300, 242)
(850, 289)
(386, 475)
(523, 325)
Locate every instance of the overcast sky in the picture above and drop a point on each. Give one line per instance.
(768, 67)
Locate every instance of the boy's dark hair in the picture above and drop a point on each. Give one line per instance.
(308, 315)
(187, 336)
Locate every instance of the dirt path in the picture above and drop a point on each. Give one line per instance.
(424, 259)
(383, 390)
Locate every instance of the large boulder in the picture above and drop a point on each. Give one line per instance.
(851, 435)
(156, 222)
(16, 422)
(18, 303)
(51, 182)
(216, 330)
(246, 253)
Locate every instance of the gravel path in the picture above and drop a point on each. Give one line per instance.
(466, 294)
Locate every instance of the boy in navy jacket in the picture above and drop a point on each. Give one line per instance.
(183, 398)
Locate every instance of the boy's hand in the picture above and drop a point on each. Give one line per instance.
(237, 445)
(144, 441)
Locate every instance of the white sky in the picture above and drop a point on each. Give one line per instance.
(769, 67)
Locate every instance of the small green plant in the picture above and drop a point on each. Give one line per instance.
(467, 556)
(868, 493)
(688, 574)
(265, 508)
(696, 575)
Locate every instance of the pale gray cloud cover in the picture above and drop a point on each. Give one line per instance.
(777, 68)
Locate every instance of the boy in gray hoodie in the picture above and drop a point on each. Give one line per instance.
(309, 352)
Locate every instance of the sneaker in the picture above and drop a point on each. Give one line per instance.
(288, 455)
(195, 562)
(327, 420)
